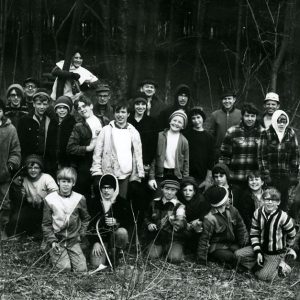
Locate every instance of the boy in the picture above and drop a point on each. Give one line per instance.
(272, 235)
(30, 85)
(223, 229)
(172, 153)
(165, 223)
(9, 161)
(201, 146)
(65, 221)
(271, 104)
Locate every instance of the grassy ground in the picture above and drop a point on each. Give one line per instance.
(25, 273)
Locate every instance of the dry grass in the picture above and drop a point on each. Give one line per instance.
(25, 273)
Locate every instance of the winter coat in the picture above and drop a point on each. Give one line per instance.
(105, 158)
(10, 151)
(104, 113)
(16, 113)
(65, 219)
(181, 157)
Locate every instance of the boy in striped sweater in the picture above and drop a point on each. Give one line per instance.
(272, 235)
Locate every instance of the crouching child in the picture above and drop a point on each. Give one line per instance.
(272, 235)
(65, 221)
(223, 229)
(165, 223)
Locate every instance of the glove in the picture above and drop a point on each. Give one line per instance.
(75, 76)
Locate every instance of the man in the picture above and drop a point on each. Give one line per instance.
(118, 151)
(102, 108)
(30, 86)
(271, 104)
(224, 118)
(239, 148)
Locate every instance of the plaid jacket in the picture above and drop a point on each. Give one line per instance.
(271, 234)
(239, 150)
(278, 159)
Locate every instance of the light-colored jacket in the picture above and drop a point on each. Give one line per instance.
(105, 158)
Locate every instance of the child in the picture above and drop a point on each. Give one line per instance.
(272, 235)
(165, 223)
(65, 221)
(172, 154)
(36, 186)
(223, 229)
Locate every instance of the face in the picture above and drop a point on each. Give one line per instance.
(103, 97)
(271, 106)
(61, 111)
(249, 119)
(197, 121)
(34, 171)
(220, 179)
(169, 192)
(30, 88)
(140, 108)
(270, 205)
(228, 102)
(77, 60)
(281, 122)
(148, 89)
(85, 110)
(222, 208)
(176, 124)
(1, 114)
(65, 186)
(255, 183)
(107, 192)
(188, 192)
(183, 99)
(40, 107)
(121, 116)
(14, 98)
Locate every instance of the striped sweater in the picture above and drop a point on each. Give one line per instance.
(272, 233)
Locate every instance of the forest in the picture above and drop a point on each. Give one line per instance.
(251, 46)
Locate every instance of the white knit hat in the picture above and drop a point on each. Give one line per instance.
(272, 96)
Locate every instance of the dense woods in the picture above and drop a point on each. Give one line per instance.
(249, 45)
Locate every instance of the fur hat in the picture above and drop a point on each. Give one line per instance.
(64, 101)
(197, 110)
(170, 183)
(34, 158)
(272, 96)
(179, 113)
(15, 86)
(108, 179)
(217, 195)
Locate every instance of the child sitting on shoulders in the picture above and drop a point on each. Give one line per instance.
(223, 229)
(65, 221)
(272, 235)
(165, 223)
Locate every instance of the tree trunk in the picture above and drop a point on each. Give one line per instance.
(3, 26)
(25, 12)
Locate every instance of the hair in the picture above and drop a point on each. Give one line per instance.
(18, 92)
(67, 173)
(272, 192)
(219, 170)
(82, 99)
(255, 174)
(121, 105)
(250, 109)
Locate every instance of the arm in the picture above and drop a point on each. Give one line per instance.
(73, 146)
(226, 149)
(57, 72)
(51, 185)
(14, 158)
(255, 232)
(204, 241)
(262, 156)
(186, 161)
(241, 232)
(84, 216)
(96, 168)
(290, 231)
(47, 228)
(294, 158)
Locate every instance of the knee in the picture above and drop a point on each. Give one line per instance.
(176, 255)
(121, 236)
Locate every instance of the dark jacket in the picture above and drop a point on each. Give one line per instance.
(104, 113)
(15, 113)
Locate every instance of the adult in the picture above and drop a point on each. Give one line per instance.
(16, 107)
(271, 104)
(30, 86)
(278, 155)
(76, 79)
(239, 148)
(224, 118)
(102, 106)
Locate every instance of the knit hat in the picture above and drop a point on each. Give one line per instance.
(41, 92)
(217, 195)
(103, 88)
(34, 158)
(227, 93)
(170, 183)
(31, 79)
(108, 179)
(179, 113)
(64, 101)
(15, 86)
(197, 110)
(272, 96)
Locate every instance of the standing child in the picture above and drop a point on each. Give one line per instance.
(272, 235)
(65, 221)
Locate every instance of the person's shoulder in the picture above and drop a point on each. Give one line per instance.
(46, 177)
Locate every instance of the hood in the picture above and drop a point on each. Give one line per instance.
(275, 117)
(5, 121)
(15, 86)
(222, 167)
(112, 177)
(182, 88)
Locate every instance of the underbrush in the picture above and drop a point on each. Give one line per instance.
(25, 273)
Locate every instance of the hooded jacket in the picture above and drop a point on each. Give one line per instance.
(278, 153)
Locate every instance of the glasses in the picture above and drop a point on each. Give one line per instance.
(271, 199)
(281, 121)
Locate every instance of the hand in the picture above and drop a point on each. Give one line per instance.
(177, 225)
(197, 226)
(152, 184)
(206, 184)
(97, 250)
(55, 247)
(110, 221)
(75, 76)
(152, 227)
(37, 201)
(91, 146)
(260, 259)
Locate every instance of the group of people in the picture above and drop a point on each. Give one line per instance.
(76, 170)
